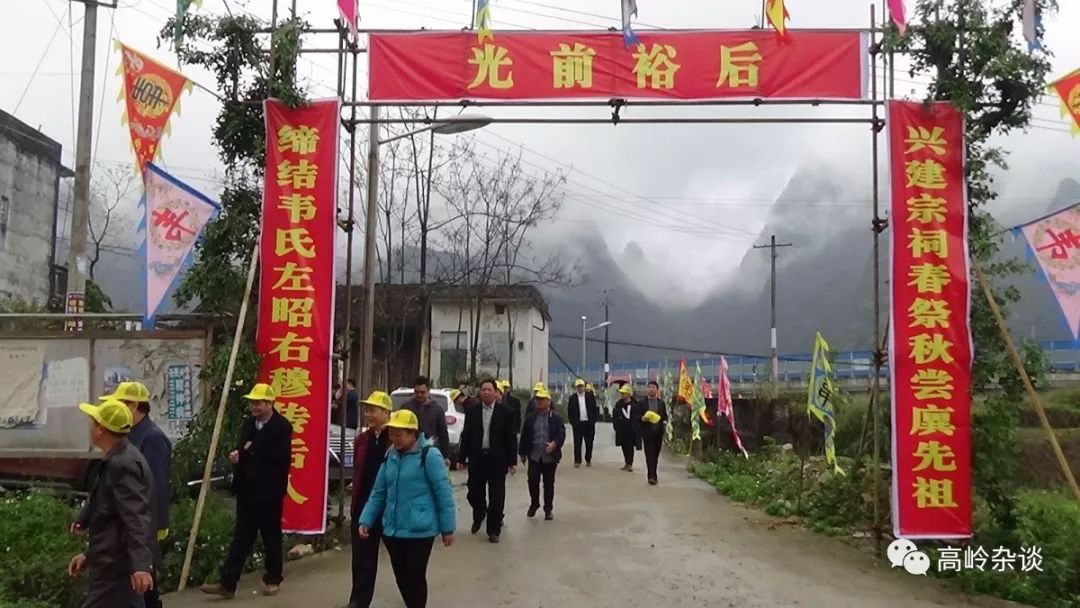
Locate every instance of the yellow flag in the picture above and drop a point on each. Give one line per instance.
(777, 14)
(686, 385)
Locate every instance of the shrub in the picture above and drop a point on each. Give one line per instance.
(35, 548)
(211, 546)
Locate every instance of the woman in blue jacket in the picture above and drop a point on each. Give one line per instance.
(415, 500)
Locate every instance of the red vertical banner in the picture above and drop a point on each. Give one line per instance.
(296, 292)
(930, 349)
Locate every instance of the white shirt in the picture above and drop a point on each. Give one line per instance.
(259, 424)
(488, 411)
(583, 413)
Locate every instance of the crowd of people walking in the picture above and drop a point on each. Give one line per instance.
(402, 496)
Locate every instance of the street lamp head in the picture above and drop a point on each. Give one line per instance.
(583, 317)
(461, 123)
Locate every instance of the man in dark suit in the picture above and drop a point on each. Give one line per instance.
(260, 481)
(488, 450)
(583, 415)
(542, 439)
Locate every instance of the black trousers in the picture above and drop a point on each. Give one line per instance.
(487, 491)
(654, 441)
(112, 593)
(628, 455)
(583, 432)
(409, 559)
(152, 598)
(545, 470)
(365, 566)
(254, 519)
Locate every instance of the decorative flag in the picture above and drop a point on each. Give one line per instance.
(1054, 240)
(666, 382)
(1067, 89)
(349, 11)
(151, 92)
(819, 402)
(725, 406)
(483, 21)
(175, 215)
(685, 392)
(182, 7)
(896, 10)
(1032, 22)
(295, 334)
(777, 14)
(629, 9)
(706, 393)
(696, 403)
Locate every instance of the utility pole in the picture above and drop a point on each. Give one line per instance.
(80, 206)
(581, 374)
(607, 329)
(370, 226)
(775, 373)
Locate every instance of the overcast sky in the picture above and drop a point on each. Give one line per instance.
(722, 178)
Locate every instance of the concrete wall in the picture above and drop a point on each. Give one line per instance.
(29, 168)
(530, 344)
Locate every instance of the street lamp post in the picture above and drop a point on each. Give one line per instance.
(444, 126)
(585, 330)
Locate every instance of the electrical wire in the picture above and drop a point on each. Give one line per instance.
(104, 85)
(33, 75)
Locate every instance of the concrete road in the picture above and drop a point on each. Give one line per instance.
(617, 541)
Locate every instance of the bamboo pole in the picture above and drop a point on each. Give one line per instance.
(204, 488)
(1019, 363)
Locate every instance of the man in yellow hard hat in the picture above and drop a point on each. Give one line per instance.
(260, 481)
(542, 438)
(583, 414)
(512, 403)
(156, 448)
(369, 452)
(531, 407)
(119, 556)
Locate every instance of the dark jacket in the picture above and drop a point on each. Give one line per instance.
(119, 516)
(590, 409)
(556, 433)
(514, 405)
(628, 430)
(360, 456)
(657, 429)
(502, 446)
(157, 450)
(262, 475)
(432, 419)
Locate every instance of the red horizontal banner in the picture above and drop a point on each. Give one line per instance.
(931, 352)
(675, 65)
(296, 292)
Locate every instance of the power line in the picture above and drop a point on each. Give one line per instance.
(48, 47)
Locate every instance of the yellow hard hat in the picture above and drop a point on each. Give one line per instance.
(129, 391)
(454, 394)
(626, 389)
(261, 392)
(111, 414)
(503, 385)
(589, 387)
(539, 386)
(579, 382)
(403, 419)
(651, 417)
(543, 394)
(379, 399)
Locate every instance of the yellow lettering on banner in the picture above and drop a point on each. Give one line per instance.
(739, 66)
(929, 278)
(299, 453)
(921, 242)
(935, 455)
(932, 384)
(297, 415)
(932, 419)
(926, 209)
(927, 348)
(930, 314)
(572, 66)
(300, 140)
(290, 240)
(655, 67)
(489, 62)
(289, 383)
(928, 174)
(922, 138)
(933, 493)
(295, 496)
(298, 206)
(293, 277)
(300, 176)
(292, 347)
(295, 312)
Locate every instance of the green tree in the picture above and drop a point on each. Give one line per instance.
(230, 48)
(970, 51)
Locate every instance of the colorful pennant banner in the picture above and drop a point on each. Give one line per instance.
(151, 93)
